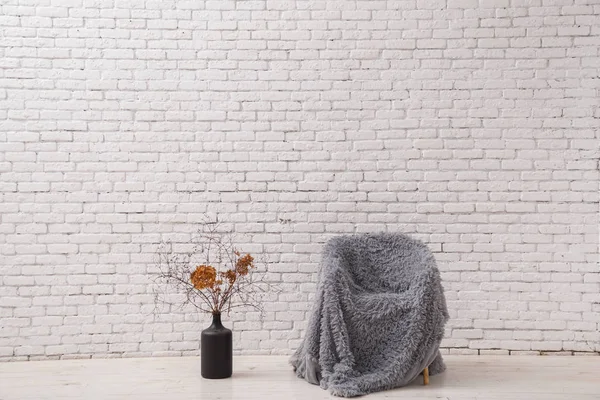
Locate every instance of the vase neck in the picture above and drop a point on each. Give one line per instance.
(216, 322)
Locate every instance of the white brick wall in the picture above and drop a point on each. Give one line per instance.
(472, 125)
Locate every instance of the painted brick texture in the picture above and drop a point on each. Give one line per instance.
(472, 125)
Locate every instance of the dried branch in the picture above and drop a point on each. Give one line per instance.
(213, 276)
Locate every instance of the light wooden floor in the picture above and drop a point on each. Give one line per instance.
(270, 377)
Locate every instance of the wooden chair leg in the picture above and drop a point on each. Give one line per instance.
(426, 376)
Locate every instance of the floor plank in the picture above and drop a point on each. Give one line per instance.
(270, 377)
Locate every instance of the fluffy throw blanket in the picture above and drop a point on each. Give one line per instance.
(378, 317)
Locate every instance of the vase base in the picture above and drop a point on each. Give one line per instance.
(216, 377)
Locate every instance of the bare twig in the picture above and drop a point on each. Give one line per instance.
(233, 280)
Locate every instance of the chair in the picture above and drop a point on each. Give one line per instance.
(378, 317)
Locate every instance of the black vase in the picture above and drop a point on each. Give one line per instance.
(216, 350)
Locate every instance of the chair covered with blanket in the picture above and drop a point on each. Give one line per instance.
(378, 317)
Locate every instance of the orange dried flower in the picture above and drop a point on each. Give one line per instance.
(243, 264)
(204, 277)
(230, 275)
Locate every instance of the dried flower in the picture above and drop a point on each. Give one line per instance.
(222, 281)
(203, 277)
(243, 264)
(230, 275)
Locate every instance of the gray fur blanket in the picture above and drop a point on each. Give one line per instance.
(378, 317)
